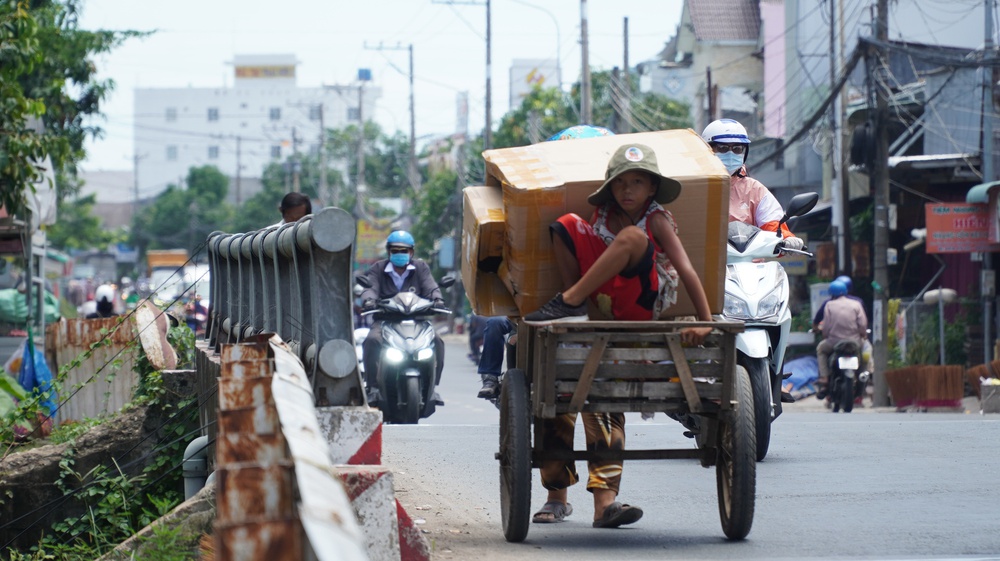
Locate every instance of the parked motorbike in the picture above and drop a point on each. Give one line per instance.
(757, 294)
(847, 380)
(407, 361)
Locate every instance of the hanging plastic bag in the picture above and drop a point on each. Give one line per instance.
(36, 378)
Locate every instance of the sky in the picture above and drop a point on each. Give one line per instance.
(195, 41)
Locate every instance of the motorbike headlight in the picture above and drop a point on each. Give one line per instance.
(425, 354)
(735, 308)
(394, 355)
(770, 305)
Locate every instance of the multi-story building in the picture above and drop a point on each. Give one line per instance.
(263, 118)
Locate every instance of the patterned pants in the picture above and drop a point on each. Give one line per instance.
(605, 431)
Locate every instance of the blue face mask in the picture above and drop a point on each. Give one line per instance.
(400, 259)
(733, 162)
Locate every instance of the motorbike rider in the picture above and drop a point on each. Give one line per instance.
(401, 271)
(866, 351)
(843, 318)
(750, 201)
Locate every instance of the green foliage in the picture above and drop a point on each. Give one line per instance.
(184, 217)
(923, 347)
(438, 211)
(47, 72)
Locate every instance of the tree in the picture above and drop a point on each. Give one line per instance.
(183, 218)
(78, 228)
(47, 73)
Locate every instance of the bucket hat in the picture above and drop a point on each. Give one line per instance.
(635, 157)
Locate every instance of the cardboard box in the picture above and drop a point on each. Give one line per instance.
(543, 181)
(482, 251)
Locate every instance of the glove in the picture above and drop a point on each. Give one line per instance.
(368, 305)
(439, 303)
(794, 243)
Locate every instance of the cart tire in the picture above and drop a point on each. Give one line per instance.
(758, 371)
(735, 469)
(515, 456)
(411, 414)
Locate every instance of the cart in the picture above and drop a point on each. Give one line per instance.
(629, 366)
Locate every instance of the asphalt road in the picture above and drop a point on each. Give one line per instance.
(868, 485)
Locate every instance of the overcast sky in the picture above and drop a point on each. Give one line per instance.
(195, 42)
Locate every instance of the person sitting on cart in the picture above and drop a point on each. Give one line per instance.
(630, 260)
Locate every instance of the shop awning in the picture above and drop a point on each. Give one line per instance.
(981, 193)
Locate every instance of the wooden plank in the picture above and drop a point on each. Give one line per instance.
(657, 353)
(589, 369)
(638, 371)
(684, 372)
(639, 389)
(665, 454)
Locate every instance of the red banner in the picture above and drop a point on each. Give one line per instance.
(958, 228)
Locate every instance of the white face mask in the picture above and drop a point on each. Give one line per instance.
(733, 162)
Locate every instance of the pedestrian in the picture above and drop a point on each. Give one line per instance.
(630, 261)
(491, 360)
(294, 206)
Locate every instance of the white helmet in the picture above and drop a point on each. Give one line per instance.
(104, 292)
(725, 131)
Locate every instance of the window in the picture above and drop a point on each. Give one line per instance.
(315, 111)
(171, 153)
(353, 114)
(213, 114)
(276, 152)
(213, 152)
(275, 113)
(171, 114)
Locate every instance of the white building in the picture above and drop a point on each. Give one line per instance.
(264, 118)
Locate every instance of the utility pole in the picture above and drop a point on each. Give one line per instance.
(359, 182)
(989, 173)
(239, 166)
(488, 131)
(322, 156)
(708, 93)
(837, 194)
(411, 171)
(585, 112)
(626, 84)
(880, 188)
(296, 166)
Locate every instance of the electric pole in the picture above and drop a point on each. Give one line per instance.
(322, 156)
(488, 131)
(239, 165)
(585, 112)
(411, 170)
(880, 187)
(626, 84)
(989, 173)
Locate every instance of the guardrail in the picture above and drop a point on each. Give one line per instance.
(294, 280)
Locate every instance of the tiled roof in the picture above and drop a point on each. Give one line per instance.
(725, 20)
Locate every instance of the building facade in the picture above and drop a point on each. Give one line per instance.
(264, 118)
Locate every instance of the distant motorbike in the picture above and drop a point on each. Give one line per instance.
(847, 380)
(757, 294)
(407, 362)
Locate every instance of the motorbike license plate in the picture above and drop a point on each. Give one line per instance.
(848, 362)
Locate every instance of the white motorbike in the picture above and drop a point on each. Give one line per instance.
(757, 295)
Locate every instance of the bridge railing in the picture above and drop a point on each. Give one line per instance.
(293, 280)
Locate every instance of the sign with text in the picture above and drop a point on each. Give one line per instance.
(958, 228)
(370, 244)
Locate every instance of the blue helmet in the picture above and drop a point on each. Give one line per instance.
(837, 289)
(581, 131)
(399, 237)
(847, 282)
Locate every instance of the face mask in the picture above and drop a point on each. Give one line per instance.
(400, 259)
(733, 162)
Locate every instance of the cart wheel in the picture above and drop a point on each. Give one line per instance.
(735, 470)
(758, 371)
(515, 456)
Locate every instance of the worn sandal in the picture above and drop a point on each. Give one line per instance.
(617, 514)
(553, 511)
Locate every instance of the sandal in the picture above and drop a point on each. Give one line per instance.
(553, 511)
(617, 514)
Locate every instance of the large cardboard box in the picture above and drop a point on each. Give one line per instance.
(482, 250)
(543, 181)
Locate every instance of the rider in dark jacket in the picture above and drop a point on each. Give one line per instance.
(401, 271)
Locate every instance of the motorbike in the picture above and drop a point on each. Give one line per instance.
(847, 380)
(757, 294)
(408, 359)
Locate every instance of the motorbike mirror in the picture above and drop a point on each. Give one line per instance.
(358, 289)
(446, 281)
(363, 281)
(801, 204)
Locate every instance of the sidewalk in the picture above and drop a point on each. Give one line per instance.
(810, 404)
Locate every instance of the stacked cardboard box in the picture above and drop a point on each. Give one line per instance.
(529, 187)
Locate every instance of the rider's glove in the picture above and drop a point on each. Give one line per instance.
(438, 303)
(794, 243)
(368, 304)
